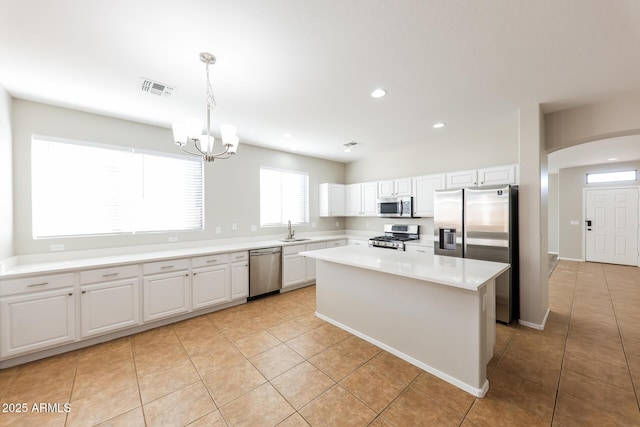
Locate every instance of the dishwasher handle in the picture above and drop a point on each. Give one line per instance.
(265, 251)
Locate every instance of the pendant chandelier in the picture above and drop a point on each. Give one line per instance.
(189, 131)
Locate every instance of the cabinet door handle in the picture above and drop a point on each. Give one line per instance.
(37, 284)
(110, 274)
(165, 267)
(420, 250)
(84, 292)
(212, 260)
(239, 256)
(70, 293)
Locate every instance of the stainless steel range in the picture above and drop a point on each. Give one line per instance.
(395, 235)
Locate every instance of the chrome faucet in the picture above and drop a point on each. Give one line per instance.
(291, 232)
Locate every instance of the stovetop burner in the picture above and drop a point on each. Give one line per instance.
(395, 236)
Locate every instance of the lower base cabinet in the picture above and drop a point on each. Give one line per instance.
(240, 279)
(210, 286)
(165, 295)
(37, 321)
(107, 307)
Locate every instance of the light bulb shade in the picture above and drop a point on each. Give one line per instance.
(180, 133)
(234, 145)
(194, 127)
(228, 133)
(206, 143)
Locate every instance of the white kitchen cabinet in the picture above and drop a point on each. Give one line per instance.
(501, 175)
(361, 199)
(166, 289)
(310, 262)
(239, 275)
(37, 321)
(210, 286)
(359, 242)
(294, 270)
(421, 249)
(109, 306)
(462, 179)
(332, 199)
(336, 243)
(395, 187)
(423, 188)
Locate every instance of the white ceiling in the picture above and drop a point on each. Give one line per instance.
(307, 66)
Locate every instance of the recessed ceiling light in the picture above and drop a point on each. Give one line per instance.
(347, 150)
(287, 135)
(612, 159)
(378, 93)
(438, 125)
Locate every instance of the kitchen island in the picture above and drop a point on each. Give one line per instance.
(435, 312)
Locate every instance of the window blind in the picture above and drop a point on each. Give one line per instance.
(90, 189)
(284, 196)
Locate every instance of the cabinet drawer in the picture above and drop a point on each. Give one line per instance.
(208, 260)
(37, 283)
(336, 243)
(239, 256)
(294, 249)
(108, 274)
(165, 266)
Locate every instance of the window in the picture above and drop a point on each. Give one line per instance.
(284, 196)
(601, 177)
(81, 189)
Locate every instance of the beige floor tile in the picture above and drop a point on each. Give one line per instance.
(314, 341)
(220, 358)
(598, 369)
(291, 328)
(204, 343)
(160, 360)
(343, 358)
(522, 393)
(133, 418)
(237, 330)
(116, 399)
(302, 384)
(92, 379)
(263, 406)
(498, 410)
(381, 422)
(162, 382)
(532, 369)
(294, 420)
(232, 382)
(276, 361)
(153, 340)
(571, 411)
(180, 407)
(605, 396)
(337, 407)
(31, 419)
(100, 355)
(213, 419)
(394, 367)
(444, 393)
(257, 343)
(413, 408)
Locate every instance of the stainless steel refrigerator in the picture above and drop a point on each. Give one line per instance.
(482, 223)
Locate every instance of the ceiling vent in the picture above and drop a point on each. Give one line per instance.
(351, 144)
(155, 88)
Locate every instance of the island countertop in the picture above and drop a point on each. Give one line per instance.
(462, 273)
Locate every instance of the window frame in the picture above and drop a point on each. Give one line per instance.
(305, 207)
(611, 173)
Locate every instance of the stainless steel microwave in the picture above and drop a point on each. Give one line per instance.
(393, 207)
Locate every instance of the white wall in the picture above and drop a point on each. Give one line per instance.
(6, 177)
(571, 183)
(553, 213)
(232, 186)
(447, 151)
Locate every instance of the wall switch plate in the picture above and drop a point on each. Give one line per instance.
(254, 228)
(575, 222)
(218, 230)
(57, 247)
(234, 226)
(173, 239)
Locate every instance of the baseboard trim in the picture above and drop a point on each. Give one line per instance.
(532, 325)
(570, 259)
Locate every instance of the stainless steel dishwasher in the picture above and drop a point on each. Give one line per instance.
(265, 271)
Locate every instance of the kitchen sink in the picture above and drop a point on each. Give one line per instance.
(293, 240)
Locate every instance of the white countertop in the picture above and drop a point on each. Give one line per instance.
(462, 273)
(70, 261)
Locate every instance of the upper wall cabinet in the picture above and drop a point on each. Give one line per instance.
(395, 187)
(332, 200)
(361, 199)
(497, 176)
(423, 188)
(500, 175)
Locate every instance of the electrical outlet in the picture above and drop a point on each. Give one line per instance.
(218, 230)
(58, 247)
(173, 239)
(575, 222)
(234, 226)
(337, 223)
(254, 228)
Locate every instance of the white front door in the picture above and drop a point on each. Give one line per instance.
(612, 225)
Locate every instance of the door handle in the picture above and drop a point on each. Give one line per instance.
(588, 222)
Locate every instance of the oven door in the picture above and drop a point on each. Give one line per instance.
(389, 207)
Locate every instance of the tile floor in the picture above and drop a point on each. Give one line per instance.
(271, 362)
